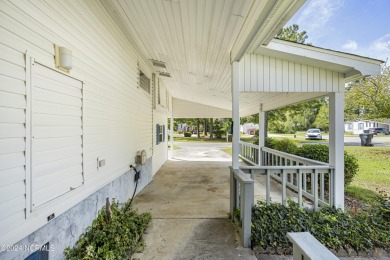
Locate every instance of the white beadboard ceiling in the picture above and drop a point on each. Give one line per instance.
(195, 39)
(198, 39)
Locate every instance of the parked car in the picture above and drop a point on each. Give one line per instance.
(313, 134)
(379, 130)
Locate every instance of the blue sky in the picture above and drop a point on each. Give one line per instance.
(360, 27)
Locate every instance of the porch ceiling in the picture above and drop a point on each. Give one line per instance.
(250, 101)
(197, 39)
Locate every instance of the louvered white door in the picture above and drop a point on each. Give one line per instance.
(56, 133)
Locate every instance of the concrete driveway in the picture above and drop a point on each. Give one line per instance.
(201, 151)
(189, 202)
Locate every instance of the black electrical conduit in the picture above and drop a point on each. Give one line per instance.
(135, 189)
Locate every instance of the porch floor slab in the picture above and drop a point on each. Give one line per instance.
(189, 203)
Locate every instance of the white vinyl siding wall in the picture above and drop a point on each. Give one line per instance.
(12, 138)
(160, 150)
(160, 117)
(117, 116)
(269, 74)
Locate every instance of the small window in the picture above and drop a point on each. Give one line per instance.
(144, 82)
(160, 133)
(349, 126)
(360, 126)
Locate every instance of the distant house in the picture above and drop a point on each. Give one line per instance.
(183, 127)
(357, 127)
(249, 128)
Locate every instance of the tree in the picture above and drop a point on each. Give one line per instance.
(322, 119)
(291, 34)
(296, 117)
(198, 126)
(369, 98)
(211, 128)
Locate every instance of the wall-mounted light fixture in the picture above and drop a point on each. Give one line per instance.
(63, 58)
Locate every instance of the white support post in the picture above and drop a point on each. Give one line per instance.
(262, 128)
(171, 139)
(235, 115)
(246, 205)
(233, 193)
(336, 146)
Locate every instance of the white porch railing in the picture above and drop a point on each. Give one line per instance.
(249, 152)
(242, 197)
(311, 179)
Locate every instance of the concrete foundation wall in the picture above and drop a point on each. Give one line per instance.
(64, 230)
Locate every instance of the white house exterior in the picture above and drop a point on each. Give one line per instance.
(357, 127)
(55, 127)
(68, 138)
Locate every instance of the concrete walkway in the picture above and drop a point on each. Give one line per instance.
(189, 203)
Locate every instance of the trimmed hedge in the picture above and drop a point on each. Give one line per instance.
(336, 230)
(321, 153)
(316, 152)
(187, 134)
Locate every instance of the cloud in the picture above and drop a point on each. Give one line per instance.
(350, 45)
(317, 14)
(377, 49)
(381, 44)
(380, 48)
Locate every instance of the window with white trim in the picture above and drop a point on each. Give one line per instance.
(160, 133)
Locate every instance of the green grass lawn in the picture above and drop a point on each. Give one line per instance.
(174, 147)
(228, 150)
(202, 139)
(374, 171)
(374, 163)
(248, 138)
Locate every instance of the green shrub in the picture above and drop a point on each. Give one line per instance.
(269, 142)
(187, 134)
(285, 145)
(316, 152)
(118, 238)
(218, 133)
(320, 153)
(333, 228)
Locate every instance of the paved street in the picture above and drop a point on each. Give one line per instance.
(378, 140)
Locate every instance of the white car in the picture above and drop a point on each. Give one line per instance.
(313, 134)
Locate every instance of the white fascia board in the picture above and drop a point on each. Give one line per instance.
(262, 23)
(353, 66)
(187, 109)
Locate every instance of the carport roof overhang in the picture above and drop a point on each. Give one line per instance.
(346, 67)
(352, 66)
